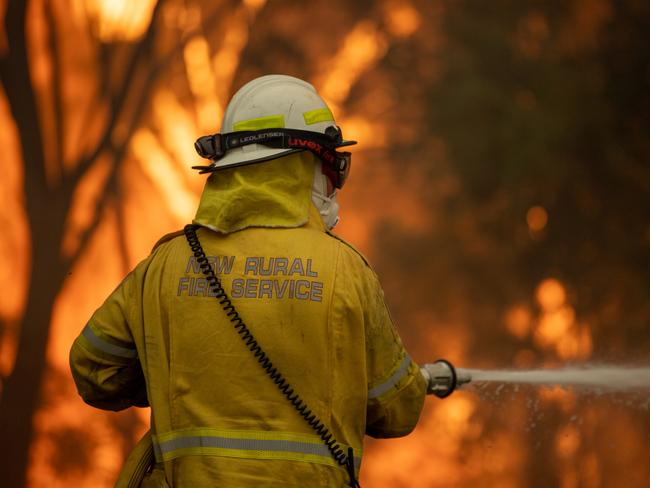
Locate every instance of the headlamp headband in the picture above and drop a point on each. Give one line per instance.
(336, 164)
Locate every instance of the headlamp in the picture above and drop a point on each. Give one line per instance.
(336, 164)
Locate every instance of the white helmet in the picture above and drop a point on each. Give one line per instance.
(292, 106)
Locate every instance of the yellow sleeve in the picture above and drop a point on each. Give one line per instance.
(104, 359)
(396, 389)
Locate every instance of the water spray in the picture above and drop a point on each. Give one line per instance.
(598, 378)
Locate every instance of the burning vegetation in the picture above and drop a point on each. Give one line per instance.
(500, 188)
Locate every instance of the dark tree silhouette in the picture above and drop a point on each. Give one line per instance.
(48, 203)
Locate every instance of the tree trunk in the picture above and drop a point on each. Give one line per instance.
(46, 210)
(22, 389)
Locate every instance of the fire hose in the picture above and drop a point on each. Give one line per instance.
(442, 378)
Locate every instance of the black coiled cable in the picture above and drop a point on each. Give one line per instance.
(343, 459)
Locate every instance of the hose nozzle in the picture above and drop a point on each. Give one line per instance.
(442, 378)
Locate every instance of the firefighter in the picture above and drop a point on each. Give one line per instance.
(259, 253)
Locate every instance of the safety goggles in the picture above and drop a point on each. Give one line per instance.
(336, 164)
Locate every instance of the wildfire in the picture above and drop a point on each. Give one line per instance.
(464, 440)
(116, 20)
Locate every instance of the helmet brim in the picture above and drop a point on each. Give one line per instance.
(234, 160)
(346, 143)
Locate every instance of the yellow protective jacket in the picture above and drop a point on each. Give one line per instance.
(317, 309)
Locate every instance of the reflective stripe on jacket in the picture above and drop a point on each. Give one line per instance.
(316, 308)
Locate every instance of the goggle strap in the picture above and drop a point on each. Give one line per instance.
(323, 146)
